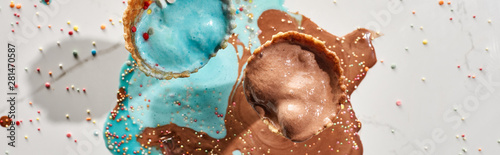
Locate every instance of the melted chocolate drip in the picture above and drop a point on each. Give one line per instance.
(5, 121)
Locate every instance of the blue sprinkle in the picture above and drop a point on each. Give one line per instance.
(94, 52)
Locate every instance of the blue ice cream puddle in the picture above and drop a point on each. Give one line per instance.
(182, 36)
(198, 94)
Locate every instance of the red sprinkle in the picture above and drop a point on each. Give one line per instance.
(146, 4)
(146, 36)
(134, 29)
(17, 123)
(70, 33)
(47, 84)
(68, 135)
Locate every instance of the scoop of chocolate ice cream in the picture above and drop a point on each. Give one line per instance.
(295, 84)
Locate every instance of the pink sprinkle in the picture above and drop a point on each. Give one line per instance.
(398, 103)
(68, 135)
(458, 66)
(84, 90)
(47, 84)
(12, 30)
(473, 16)
(38, 129)
(38, 111)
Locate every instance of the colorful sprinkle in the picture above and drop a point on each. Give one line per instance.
(145, 36)
(398, 103)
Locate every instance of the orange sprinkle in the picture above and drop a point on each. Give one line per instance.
(413, 12)
(103, 27)
(12, 5)
(441, 2)
(31, 103)
(110, 20)
(449, 2)
(88, 119)
(18, 6)
(366, 69)
(39, 26)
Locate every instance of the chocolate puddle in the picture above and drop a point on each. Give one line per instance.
(245, 130)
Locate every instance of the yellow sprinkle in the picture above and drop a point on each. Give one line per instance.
(75, 28)
(69, 22)
(149, 11)
(25, 137)
(425, 42)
